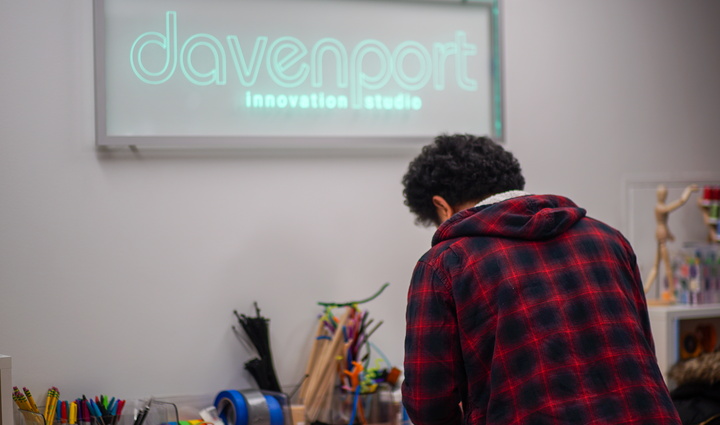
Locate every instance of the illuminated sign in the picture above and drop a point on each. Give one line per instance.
(191, 72)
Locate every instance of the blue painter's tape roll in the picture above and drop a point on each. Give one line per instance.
(231, 407)
(248, 407)
(276, 413)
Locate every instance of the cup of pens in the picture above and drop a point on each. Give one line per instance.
(353, 407)
(101, 410)
(29, 417)
(29, 413)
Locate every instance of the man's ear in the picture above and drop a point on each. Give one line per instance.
(443, 208)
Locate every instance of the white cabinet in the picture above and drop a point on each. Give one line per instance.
(6, 403)
(671, 323)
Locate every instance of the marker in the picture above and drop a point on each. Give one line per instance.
(84, 411)
(143, 413)
(121, 404)
(73, 413)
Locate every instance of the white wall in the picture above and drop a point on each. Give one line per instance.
(120, 270)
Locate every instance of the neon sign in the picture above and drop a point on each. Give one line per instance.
(289, 64)
(257, 72)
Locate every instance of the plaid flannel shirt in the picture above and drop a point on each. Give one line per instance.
(528, 312)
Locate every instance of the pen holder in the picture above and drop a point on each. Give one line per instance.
(26, 417)
(125, 419)
(116, 420)
(372, 408)
(157, 412)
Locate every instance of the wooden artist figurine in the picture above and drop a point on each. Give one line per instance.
(663, 235)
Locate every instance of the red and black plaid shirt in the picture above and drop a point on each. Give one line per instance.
(528, 312)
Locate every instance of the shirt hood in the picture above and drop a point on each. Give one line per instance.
(531, 217)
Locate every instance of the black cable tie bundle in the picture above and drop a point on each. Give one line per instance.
(261, 367)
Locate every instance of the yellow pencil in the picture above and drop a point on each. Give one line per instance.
(20, 399)
(47, 406)
(48, 399)
(15, 399)
(31, 400)
(51, 405)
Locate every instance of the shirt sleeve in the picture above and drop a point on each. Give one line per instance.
(641, 302)
(433, 361)
(638, 293)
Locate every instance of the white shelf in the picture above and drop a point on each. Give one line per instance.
(666, 322)
(6, 407)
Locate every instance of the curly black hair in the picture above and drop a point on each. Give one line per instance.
(461, 168)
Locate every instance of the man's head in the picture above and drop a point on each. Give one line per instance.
(455, 172)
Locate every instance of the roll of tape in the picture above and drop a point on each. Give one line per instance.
(257, 407)
(276, 413)
(231, 407)
(248, 407)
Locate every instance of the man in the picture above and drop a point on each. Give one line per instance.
(525, 310)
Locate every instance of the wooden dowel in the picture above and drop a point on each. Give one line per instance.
(329, 353)
(324, 368)
(325, 391)
(312, 360)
